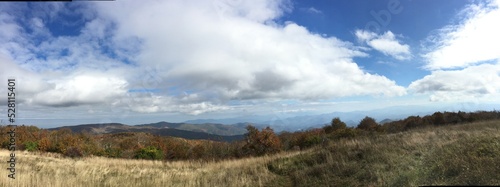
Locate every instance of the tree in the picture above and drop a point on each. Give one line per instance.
(412, 122)
(60, 140)
(337, 124)
(44, 144)
(260, 143)
(438, 118)
(368, 124)
(270, 140)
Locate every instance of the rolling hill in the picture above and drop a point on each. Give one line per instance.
(210, 128)
(161, 129)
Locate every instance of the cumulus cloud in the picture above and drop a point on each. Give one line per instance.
(233, 57)
(474, 40)
(258, 10)
(474, 82)
(31, 82)
(198, 55)
(152, 103)
(386, 43)
(87, 88)
(457, 55)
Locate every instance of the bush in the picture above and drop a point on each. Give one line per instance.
(261, 142)
(337, 124)
(328, 129)
(113, 152)
(344, 133)
(31, 146)
(73, 152)
(368, 124)
(149, 153)
(311, 140)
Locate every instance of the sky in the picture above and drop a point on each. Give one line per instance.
(175, 60)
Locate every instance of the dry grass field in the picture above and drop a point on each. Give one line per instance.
(465, 154)
(53, 170)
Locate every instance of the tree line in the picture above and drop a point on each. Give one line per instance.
(257, 142)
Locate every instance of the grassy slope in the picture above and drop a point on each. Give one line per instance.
(52, 170)
(453, 155)
(462, 154)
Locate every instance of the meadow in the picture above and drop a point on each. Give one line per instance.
(54, 170)
(465, 154)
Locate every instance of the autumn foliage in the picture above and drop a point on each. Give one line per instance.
(261, 142)
(257, 142)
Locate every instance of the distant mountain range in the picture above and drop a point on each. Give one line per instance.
(230, 129)
(200, 131)
(304, 122)
(210, 128)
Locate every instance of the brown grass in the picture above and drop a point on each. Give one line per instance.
(466, 154)
(35, 169)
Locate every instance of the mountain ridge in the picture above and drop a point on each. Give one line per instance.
(107, 128)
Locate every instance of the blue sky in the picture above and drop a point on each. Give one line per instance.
(148, 61)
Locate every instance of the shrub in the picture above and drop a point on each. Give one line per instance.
(113, 152)
(260, 143)
(328, 129)
(337, 124)
(311, 140)
(344, 133)
(368, 124)
(73, 152)
(31, 146)
(149, 153)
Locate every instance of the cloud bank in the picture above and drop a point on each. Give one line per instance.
(464, 57)
(200, 56)
(472, 41)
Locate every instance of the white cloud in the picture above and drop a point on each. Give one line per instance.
(28, 82)
(464, 47)
(238, 58)
(473, 41)
(81, 89)
(364, 36)
(151, 103)
(313, 10)
(200, 55)
(10, 29)
(471, 83)
(258, 10)
(385, 43)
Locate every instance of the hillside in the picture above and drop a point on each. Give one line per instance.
(465, 154)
